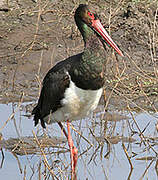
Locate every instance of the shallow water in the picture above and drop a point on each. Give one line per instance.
(92, 164)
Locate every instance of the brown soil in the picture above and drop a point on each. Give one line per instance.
(33, 36)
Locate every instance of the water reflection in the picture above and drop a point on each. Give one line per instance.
(111, 146)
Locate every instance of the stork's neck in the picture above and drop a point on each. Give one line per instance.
(92, 43)
(93, 56)
(91, 39)
(93, 48)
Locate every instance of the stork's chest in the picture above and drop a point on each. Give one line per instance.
(79, 102)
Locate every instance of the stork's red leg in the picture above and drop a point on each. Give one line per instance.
(73, 150)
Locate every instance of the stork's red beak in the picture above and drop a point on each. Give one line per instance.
(96, 24)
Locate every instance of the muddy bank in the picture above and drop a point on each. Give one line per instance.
(34, 36)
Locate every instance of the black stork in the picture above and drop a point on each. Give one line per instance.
(73, 87)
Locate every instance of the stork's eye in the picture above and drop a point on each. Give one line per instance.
(91, 15)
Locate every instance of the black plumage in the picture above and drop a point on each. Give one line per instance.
(58, 79)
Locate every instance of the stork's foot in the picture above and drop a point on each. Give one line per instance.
(74, 158)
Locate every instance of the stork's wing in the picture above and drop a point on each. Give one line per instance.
(52, 92)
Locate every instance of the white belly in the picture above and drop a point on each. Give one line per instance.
(77, 103)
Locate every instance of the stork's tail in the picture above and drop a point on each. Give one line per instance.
(37, 117)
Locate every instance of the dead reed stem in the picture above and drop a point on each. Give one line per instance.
(45, 158)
